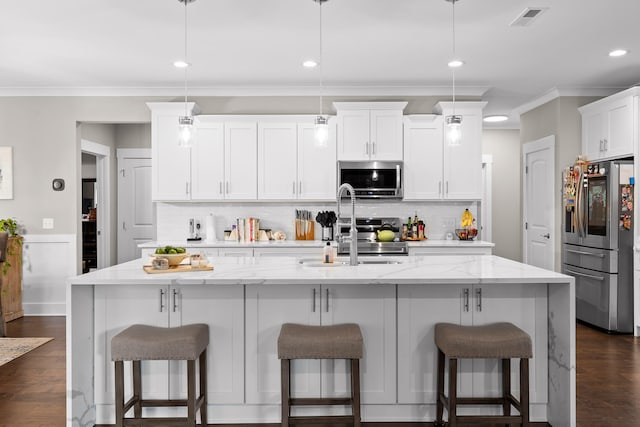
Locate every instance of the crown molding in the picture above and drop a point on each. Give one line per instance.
(556, 92)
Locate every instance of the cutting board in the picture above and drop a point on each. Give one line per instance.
(180, 268)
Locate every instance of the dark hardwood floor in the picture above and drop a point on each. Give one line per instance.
(32, 387)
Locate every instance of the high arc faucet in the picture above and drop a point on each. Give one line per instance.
(353, 232)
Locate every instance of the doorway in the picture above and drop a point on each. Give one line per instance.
(539, 236)
(101, 203)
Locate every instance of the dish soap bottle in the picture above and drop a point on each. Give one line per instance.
(327, 254)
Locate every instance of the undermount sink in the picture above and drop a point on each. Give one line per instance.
(342, 263)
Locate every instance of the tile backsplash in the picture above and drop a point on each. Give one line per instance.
(440, 217)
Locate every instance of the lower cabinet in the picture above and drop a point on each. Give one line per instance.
(268, 307)
(221, 307)
(421, 307)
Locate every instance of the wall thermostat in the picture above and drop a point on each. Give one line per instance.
(58, 184)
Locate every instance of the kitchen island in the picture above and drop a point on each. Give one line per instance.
(396, 301)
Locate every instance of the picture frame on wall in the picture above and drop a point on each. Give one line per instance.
(6, 172)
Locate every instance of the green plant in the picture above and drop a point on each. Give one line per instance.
(11, 226)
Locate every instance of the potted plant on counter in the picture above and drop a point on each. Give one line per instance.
(11, 292)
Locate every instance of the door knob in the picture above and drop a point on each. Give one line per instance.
(546, 236)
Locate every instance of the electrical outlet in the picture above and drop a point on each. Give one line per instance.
(47, 223)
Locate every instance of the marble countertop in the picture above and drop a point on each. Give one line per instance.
(303, 243)
(453, 269)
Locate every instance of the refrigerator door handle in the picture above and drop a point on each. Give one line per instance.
(590, 276)
(585, 253)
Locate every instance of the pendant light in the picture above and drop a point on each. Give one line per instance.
(453, 121)
(186, 129)
(321, 122)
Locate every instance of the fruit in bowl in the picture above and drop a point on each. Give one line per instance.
(175, 255)
(466, 233)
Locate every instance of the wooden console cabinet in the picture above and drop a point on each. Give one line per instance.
(12, 281)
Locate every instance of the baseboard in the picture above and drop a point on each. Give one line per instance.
(44, 309)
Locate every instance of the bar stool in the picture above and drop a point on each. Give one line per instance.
(494, 341)
(143, 342)
(320, 342)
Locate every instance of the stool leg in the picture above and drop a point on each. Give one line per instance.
(191, 393)
(355, 391)
(506, 386)
(524, 391)
(137, 388)
(440, 390)
(453, 392)
(285, 390)
(119, 379)
(203, 387)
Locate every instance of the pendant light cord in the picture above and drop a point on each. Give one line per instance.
(320, 53)
(185, 57)
(453, 38)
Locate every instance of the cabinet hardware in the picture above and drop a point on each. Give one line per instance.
(585, 253)
(465, 293)
(124, 226)
(327, 306)
(175, 297)
(373, 148)
(161, 300)
(546, 236)
(590, 276)
(186, 187)
(227, 187)
(366, 148)
(447, 188)
(313, 297)
(300, 188)
(220, 187)
(606, 144)
(479, 299)
(122, 171)
(439, 188)
(294, 188)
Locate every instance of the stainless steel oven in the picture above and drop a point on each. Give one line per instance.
(368, 243)
(372, 180)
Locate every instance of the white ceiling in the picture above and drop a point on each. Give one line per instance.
(370, 47)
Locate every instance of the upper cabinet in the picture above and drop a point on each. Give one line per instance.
(435, 170)
(608, 126)
(369, 130)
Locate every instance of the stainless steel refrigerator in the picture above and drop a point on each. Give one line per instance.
(597, 241)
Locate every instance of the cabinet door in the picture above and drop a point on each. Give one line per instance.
(316, 165)
(619, 138)
(289, 252)
(116, 308)
(463, 163)
(375, 312)
(235, 252)
(526, 307)
(420, 307)
(171, 164)
(222, 308)
(241, 160)
(423, 159)
(385, 134)
(277, 161)
(267, 308)
(207, 162)
(353, 135)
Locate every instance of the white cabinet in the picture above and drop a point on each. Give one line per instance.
(240, 160)
(207, 161)
(291, 165)
(608, 126)
(462, 249)
(268, 307)
(221, 307)
(290, 251)
(423, 157)
(369, 130)
(523, 305)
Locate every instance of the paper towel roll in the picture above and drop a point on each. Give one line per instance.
(210, 229)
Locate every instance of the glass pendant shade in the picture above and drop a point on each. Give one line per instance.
(454, 129)
(321, 131)
(186, 131)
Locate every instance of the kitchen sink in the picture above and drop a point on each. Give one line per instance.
(342, 263)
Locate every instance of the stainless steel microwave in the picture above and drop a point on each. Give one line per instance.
(372, 180)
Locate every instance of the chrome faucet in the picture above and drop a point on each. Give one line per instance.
(353, 232)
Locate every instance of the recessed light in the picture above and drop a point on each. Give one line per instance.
(495, 119)
(618, 52)
(455, 63)
(181, 64)
(310, 63)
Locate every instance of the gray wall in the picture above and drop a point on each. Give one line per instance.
(561, 118)
(505, 147)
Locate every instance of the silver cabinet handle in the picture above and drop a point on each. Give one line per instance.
(220, 187)
(447, 187)
(186, 187)
(366, 148)
(227, 187)
(294, 188)
(300, 188)
(439, 188)
(313, 297)
(161, 300)
(546, 236)
(174, 294)
(573, 251)
(327, 306)
(373, 148)
(590, 276)
(606, 144)
(465, 294)
(479, 299)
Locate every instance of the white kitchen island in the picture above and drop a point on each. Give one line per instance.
(246, 299)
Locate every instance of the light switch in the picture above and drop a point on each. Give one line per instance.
(47, 223)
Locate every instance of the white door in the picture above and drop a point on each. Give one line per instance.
(277, 161)
(385, 134)
(241, 160)
(423, 157)
(136, 211)
(353, 135)
(316, 165)
(539, 202)
(207, 162)
(463, 163)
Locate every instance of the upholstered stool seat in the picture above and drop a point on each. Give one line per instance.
(144, 342)
(503, 341)
(342, 341)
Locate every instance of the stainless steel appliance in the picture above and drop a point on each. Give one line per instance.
(367, 237)
(597, 241)
(372, 180)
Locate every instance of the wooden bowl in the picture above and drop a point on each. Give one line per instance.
(174, 259)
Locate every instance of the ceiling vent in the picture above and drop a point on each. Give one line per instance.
(527, 16)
